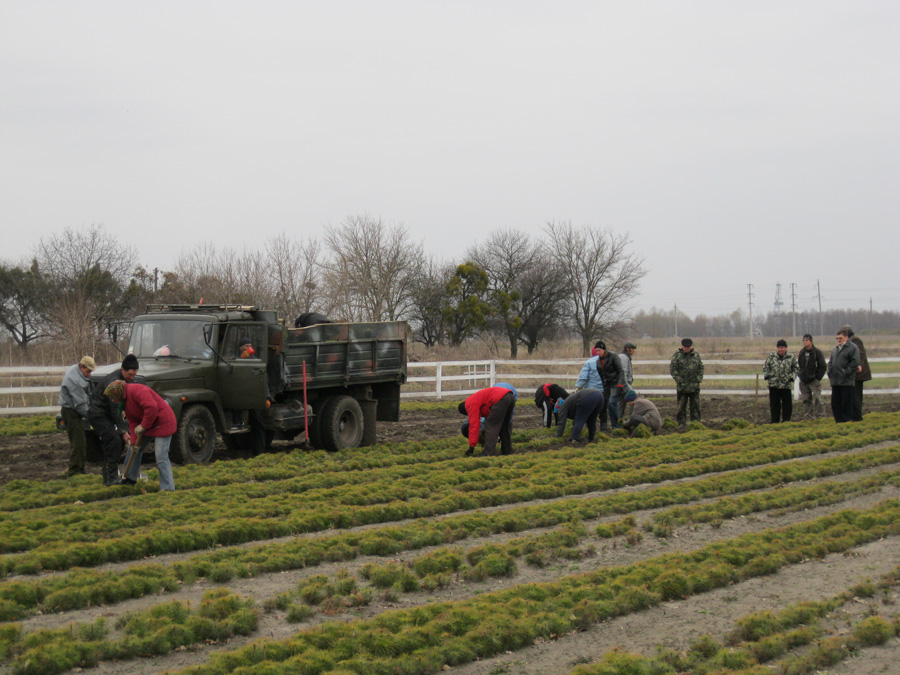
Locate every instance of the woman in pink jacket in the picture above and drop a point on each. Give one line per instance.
(148, 416)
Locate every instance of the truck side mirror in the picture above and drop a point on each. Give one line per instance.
(207, 332)
(112, 330)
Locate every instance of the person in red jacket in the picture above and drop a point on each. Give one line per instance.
(148, 416)
(496, 405)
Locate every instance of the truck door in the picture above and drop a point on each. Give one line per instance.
(242, 381)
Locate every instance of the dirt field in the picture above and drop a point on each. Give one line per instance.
(672, 624)
(45, 457)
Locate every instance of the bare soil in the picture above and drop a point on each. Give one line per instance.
(45, 457)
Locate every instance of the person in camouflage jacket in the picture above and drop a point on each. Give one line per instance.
(686, 368)
(780, 370)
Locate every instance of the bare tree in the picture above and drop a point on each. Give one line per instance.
(293, 267)
(601, 276)
(373, 266)
(429, 298)
(89, 271)
(525, 286)
(225, 276)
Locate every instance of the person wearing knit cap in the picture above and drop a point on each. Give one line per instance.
(642, 412)
(107, 421)
(863, 374)
(73, 401)
(602, 372)
(780, 370)
(686, 368)
(149, 416)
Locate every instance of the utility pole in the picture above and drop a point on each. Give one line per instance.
(794, 309)
(676, 319)
(821, 322)
(750, 306)
(870, 312)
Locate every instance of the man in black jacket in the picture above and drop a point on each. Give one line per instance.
(106, 420)
(863, 374)
(812, 370)
(610, 368)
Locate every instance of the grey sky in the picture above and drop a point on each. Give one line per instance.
(736, 142)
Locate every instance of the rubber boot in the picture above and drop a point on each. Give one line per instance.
(111, 474)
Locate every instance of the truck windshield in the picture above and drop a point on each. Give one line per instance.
(171, 337)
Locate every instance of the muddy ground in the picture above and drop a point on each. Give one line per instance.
(45, 457)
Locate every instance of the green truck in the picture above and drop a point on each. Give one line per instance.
(332, 381)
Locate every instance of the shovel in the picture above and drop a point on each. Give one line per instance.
(131, 454)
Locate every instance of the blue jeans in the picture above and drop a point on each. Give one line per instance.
(163, 463)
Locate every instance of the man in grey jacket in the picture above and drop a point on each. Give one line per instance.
(73, 399)
(842, 367)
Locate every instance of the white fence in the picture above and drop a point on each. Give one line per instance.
(480, 374)
(476, 375)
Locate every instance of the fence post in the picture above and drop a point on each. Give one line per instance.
(437, 377)
(493, 372)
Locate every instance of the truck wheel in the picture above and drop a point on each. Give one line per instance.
(195, 439)
(341, 425)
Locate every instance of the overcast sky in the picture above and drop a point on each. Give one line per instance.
(735, 142)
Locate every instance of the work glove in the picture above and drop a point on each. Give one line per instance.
(470, 451)
(138, 430)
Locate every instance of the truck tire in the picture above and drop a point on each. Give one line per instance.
(341, 424)
(195, 439)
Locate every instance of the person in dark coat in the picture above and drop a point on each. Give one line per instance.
(148, 416)
(583, 407)
(812, 370)
(496, 405)
(603, 372)
(107, 421)
(842, 368)
(545, 399)
(863, 374)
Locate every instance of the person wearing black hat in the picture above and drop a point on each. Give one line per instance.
(602, 372)
(617, 401)
(863, 374)
(780, 370)
(107, 421)
(686, 368)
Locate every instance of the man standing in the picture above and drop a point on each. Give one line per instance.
(496, 405)
(602, 372)
(73, 399)
(812, 365)
(686, 368)
(583, 407)
(642, 412)
(842, 368)
(617, 411)
(863, 374)
(106, 420)
(779, 371)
